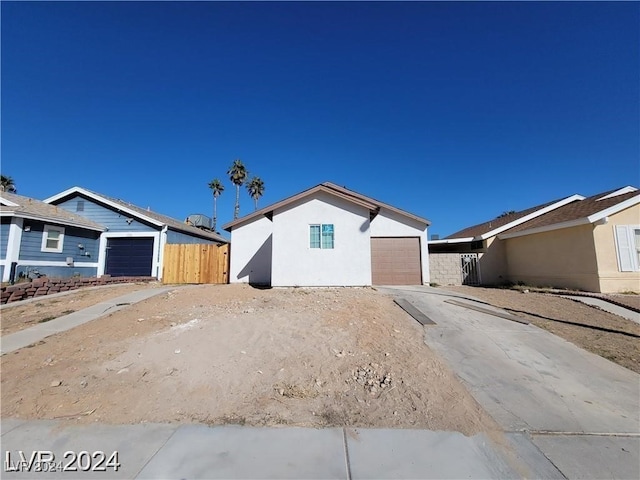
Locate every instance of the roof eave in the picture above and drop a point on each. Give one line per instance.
(287, 201)
(546, 228)
(591, 219)
(206, 235)
(531, 216)
(446, 241)
(39, 218)
(7, 203)
(378, 204)
(106, 201)
(629, 202)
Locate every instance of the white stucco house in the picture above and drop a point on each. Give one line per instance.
(329, 236)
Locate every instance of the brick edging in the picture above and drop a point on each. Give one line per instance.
(45, 286)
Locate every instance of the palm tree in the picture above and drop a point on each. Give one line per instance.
(6, 184)
(238, 175)
(217, 188)
(255, 187)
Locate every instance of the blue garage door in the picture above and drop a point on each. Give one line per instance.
(129, 257)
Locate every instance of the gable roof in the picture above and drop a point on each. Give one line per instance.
(13, 205)
(369, 203)
(148, 216)
(493, 227)
(586, 211)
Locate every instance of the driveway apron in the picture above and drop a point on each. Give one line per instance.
(579, 409)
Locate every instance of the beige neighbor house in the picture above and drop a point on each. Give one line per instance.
(590, 244)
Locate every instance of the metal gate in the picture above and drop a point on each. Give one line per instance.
(470, 268)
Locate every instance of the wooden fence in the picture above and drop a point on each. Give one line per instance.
(185, 263)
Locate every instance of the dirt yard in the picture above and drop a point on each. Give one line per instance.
(20, 315)
(235, 354)
(595, 330)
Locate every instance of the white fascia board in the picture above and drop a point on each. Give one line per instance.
(450, 240)
(526, 218)
(546, 228)
(61, 221)
(7, 203)
(627, 189)
(106, 201)
(629, 202)
(593, 218)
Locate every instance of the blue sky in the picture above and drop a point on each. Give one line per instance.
(452, 111)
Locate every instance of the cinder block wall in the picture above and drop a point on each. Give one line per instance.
(47, 286)
(445, 268)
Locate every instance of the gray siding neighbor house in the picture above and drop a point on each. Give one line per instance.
(83, 233)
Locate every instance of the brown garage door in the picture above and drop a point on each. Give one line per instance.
(395, 261)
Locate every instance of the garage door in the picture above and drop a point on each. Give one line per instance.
(396, 261)
(129, 257)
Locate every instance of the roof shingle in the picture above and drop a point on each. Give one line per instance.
(164, 219)
(30, 207)
(482, 228)
(575, 211)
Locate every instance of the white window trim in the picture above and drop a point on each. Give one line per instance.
(309, 247)
(45, 236)
(629, 233)
(156, 266)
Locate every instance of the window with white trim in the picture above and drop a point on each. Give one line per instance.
(321, 236)
(628, 247)
(52, 239)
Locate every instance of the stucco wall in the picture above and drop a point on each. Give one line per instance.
(493, 263)
(251, 253)
(390, 224)
(610, 277)
(559, 258)
(294, 263)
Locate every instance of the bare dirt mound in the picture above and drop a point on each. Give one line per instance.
(235, 354)
(20, 315)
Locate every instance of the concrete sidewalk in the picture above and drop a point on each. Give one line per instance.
(23, 338)
(153, 451)
(581, 410)
(606, 306)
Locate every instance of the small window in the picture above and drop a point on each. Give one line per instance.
(314, 235)
(321, 236)
(80, 206)
(52, 239)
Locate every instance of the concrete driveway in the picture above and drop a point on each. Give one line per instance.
(580, 410)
